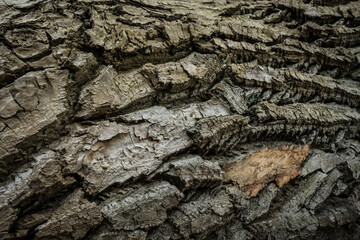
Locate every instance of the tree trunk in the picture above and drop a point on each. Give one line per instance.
(164, 119)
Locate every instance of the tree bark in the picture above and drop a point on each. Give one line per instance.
(144, 119)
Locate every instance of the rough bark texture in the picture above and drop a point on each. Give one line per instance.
(164, 119)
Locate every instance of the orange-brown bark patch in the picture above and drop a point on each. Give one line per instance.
(253, 172)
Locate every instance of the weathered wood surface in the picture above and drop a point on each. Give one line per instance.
(164, 119)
